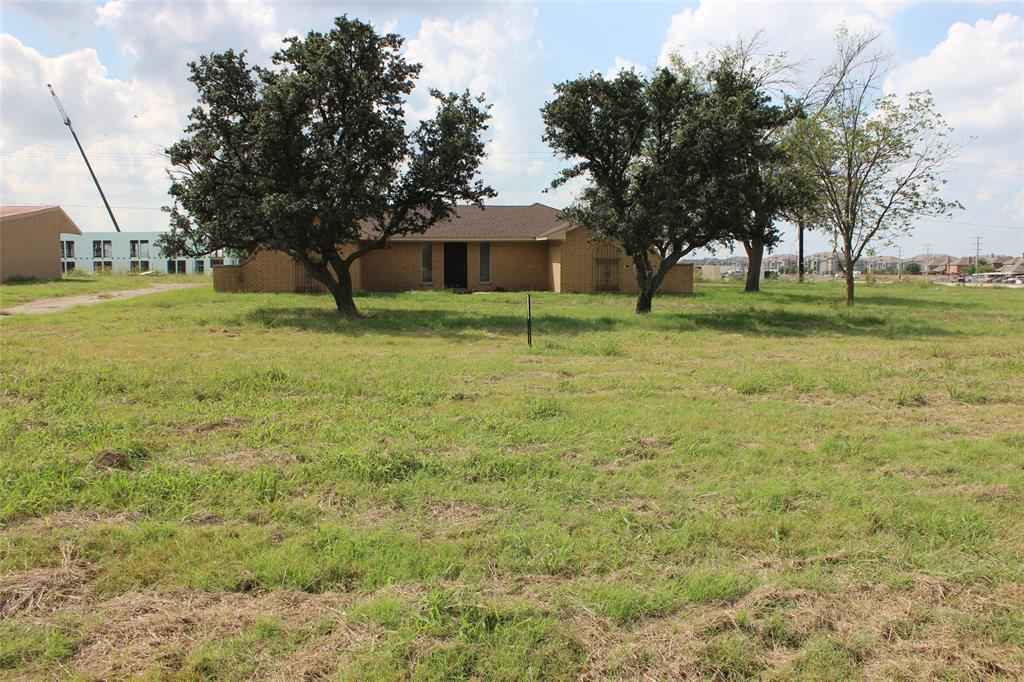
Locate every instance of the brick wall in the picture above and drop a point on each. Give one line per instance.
(577, 262)
(515, 266)
(397, 268)
(555, 265)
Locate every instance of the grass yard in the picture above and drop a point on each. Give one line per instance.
(202, 485)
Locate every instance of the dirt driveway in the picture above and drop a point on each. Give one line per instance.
(58, 303)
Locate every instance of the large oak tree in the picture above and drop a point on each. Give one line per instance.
(314, 156)
(667, 160)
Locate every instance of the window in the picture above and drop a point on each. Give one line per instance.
(216, 261)
(198, 267)
(67, 267)
(144, 266)
(101, 266)
(138, 248)
(67, 249)
(101, 248)
(426, 263)
(485, 262)
(175, 267)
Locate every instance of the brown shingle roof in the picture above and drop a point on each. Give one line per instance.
(496, 222)
(6, 211)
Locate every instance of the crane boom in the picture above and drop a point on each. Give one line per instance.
(67, 122)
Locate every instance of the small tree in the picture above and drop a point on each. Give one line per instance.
(656, 152)
(312, 157)
(877, 162)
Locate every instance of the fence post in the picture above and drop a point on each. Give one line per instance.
(529, 322)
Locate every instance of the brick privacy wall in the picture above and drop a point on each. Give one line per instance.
(273, 272)
(577, 268)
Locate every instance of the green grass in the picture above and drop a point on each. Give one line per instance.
(77, 284)
(234, 486)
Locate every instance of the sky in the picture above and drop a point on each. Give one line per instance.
(120, 68)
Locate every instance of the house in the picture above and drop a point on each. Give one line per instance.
(933, 263)
(129, 252)
(1013, 267)
(28, 241)
(822, 263)
(496, 248)
(883, 264)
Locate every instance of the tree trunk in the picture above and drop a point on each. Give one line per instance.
(755, 255)
(338, 282)
(643, 300)
(342, 292)
(800, 249)
(848, 260)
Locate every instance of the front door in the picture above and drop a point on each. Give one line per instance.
(455, 269)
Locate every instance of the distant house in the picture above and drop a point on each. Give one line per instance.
(479, 249)
(1013, 267)
(933, 263)
(822, 263)
(29, 241)
(130, 252)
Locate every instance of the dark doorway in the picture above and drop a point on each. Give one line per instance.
(455, 270)
(607, 263)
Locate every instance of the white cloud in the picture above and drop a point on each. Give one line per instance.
(974, 74)
(976, 79)
(804, 31)
(621, 64)
(494, 52)
(122, 125)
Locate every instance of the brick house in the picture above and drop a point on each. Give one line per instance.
(497, 248)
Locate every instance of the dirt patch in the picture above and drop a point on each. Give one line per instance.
(454, 510)
(247, 459)
(979, 491)
(646, 447)
(221, 424)
(72, 519)
(57, 304)
(111, 460)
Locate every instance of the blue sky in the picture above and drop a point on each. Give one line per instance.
(119, 67)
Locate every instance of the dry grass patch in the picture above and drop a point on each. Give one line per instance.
(144, 632)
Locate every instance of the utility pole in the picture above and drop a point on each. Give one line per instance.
(67, 122)
(800, 249)
(977, 258)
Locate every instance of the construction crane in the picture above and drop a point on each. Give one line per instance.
(67, 122)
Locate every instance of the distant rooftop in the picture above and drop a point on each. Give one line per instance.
(15, 210)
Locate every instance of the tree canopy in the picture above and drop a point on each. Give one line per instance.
(314, 156)
(661, 155)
